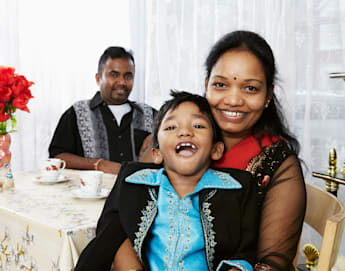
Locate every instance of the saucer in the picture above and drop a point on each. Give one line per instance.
(77, 193)
(48, 180)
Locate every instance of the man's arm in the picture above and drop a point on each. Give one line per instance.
(66, 145)
(77, 162)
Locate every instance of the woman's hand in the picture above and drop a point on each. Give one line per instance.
(145, 154)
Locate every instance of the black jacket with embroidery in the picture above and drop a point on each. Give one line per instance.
(225, 237)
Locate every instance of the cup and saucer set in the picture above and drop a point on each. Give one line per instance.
(90, 186)
(51, 172)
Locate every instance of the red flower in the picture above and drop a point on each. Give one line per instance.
(21, 86)
(14, 94)
(20, 102)
(5, 93)
(6, 76)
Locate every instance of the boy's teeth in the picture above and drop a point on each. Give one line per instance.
(186, 145)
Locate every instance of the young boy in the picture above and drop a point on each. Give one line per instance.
(177, 213)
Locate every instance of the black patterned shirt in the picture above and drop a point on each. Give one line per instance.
(101, 136)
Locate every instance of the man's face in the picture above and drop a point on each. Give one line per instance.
(116, 80)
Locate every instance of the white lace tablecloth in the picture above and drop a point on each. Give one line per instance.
(42, 227)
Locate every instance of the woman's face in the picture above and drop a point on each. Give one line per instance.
(237, 92)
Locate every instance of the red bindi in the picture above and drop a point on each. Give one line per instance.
(235, 77)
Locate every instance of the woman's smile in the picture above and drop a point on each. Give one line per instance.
(234, 116)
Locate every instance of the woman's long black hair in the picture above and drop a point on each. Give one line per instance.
(272, 120)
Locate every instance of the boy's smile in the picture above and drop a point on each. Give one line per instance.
(185, 138)
(186, 149)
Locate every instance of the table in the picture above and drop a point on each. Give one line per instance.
(42, 227)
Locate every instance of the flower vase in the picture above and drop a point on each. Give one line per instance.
(6, 177)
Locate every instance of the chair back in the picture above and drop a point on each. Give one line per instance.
(326, 214)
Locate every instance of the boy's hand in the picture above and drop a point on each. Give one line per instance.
(126, 259)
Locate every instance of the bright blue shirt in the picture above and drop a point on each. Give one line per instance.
(175, 240)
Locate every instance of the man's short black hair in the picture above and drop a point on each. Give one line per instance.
(114, 52)
(178, 98)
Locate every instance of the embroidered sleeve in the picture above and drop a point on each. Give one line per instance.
(282, 216)
(281, 197)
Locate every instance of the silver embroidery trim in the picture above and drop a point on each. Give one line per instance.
(148, 215)
(172, 234)
(171, 263)
(224, 178)
(187, 230)
(209, 233)
(143, 120)
(92, 130)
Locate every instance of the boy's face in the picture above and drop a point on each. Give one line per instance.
(185, 142)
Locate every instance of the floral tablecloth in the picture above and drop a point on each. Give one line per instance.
(43, 227)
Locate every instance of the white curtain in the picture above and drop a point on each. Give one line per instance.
(307, 37)
(55, 44)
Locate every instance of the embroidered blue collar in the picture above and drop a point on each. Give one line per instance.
(212, 179)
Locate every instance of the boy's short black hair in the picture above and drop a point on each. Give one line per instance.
(178, 98)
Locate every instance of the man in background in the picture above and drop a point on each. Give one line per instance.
(102, 132)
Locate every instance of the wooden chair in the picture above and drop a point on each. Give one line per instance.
(326, 214)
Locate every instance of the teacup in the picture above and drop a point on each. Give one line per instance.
(51, 168)
(91, 182)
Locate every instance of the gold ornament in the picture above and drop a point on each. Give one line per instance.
(312, 254)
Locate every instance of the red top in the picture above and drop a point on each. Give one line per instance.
(240, 154)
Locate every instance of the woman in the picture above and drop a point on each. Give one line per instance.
(239, 84)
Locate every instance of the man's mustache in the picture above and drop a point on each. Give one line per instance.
(121, 88)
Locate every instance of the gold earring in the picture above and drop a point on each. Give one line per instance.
(267, 103)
